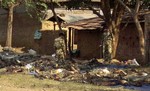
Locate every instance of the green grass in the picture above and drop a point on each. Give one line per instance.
(24, 82)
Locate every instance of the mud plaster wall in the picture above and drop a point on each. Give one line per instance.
(23, 34)
(128, 47)
(88, 43)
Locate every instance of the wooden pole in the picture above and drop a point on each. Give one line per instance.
(72, 41)
(69, 44)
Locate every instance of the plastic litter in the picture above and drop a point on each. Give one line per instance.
(29, 66)
(32, 52)
(133, 62)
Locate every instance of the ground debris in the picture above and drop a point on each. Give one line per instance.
(14, 69)
(92, 71)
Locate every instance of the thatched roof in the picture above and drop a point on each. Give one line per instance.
(87, 24)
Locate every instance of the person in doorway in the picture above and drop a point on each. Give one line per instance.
(60, 47)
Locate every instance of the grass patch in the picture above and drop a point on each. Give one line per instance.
(25, 82)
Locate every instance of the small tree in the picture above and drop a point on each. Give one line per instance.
(9, 5)
(113, 11)
(134, 8)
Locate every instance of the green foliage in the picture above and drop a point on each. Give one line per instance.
(145, 4)
(31, 6)
(35, 6)
(6, 2)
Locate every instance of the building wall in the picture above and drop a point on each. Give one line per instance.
(128, 47)
(46, 44)
(24, 28)
(88, 43)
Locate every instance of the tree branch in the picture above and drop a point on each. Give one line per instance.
(137, 6)
(55, 15)
(125, 6)
(95, 12)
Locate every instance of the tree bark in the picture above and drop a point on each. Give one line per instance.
(113, 17)
(115, 43)
(147, 38)
(141, 36)
(55, 15)
(134, 14)
(9, 27)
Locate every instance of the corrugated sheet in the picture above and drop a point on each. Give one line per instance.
(90, 24)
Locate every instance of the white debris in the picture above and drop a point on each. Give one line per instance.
(106, 71)
(133, 62)
(54, 55)
(1, 48)
(18, 61)
(32, 52)
(144, 74)
(59, 70)
(28, 66)
(100, 72)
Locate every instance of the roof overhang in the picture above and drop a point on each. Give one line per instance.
(86, 24)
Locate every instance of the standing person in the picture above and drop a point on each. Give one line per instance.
(60, 47)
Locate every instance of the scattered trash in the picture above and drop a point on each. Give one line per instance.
(100, 72)
(132, 62)
(33, 73)
(94, 71)
(37, 34)
(29, 66)
(144, 74)
(14, 69)
(59, 73)
(115, 61)
(121, 72)
(53, 55)
(1, 48)
(8, 55)
(32, 52)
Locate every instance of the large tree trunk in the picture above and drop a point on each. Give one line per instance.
(147, 38)
(134, 14)
(115, 38)
(115, 43)
(9, 27)
(113, 16)
(141, 37)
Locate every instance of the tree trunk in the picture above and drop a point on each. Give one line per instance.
(147, 38)
(141, 37)
(114, 28)
(115, 44)
(55, 15)
(9, 27)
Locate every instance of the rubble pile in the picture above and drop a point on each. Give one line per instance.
(89, 71)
